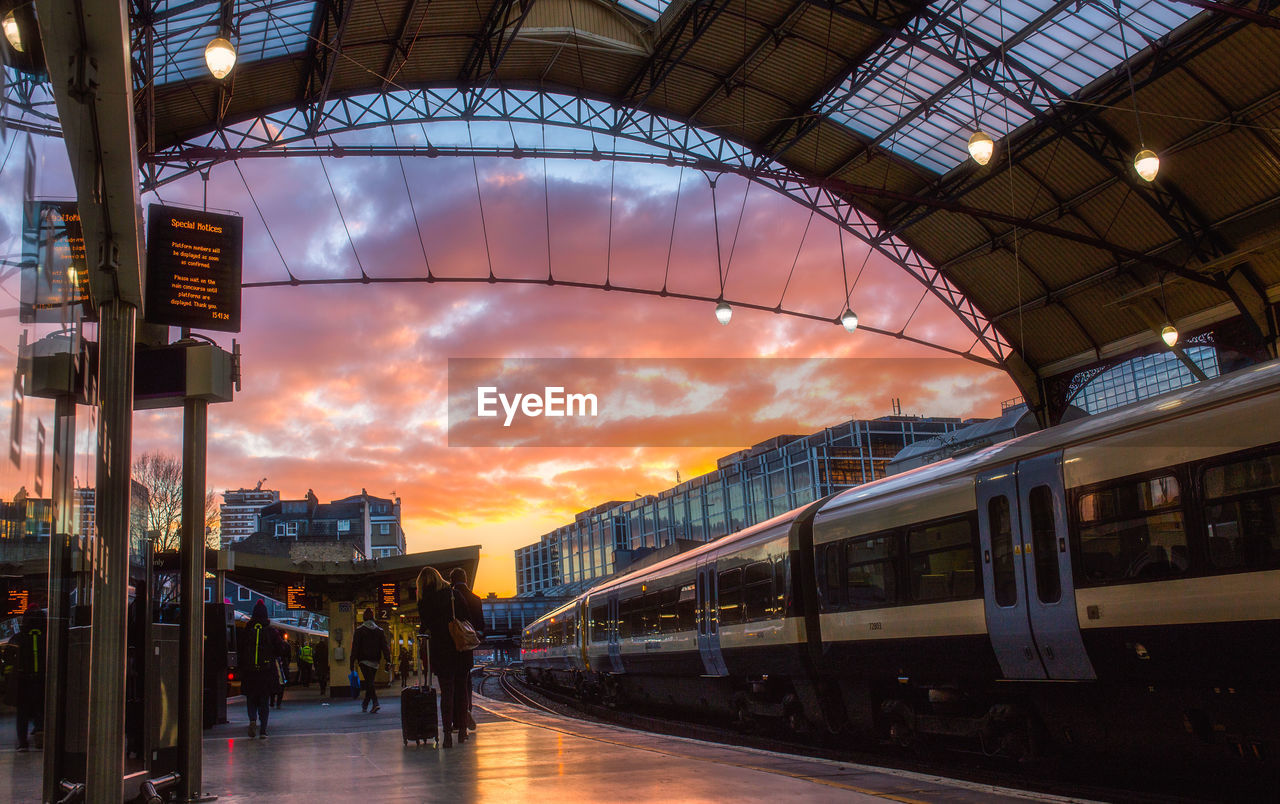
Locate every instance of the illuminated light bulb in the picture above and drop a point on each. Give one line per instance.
(723, 312)
(849, 320)
(11, 32)
(1147, 164)
(220, 56)
(981, 147)
(1169, 334)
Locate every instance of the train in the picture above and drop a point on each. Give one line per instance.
(1110, 585)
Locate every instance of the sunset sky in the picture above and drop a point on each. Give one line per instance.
(345, 387)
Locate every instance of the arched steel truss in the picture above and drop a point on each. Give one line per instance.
(660, 140)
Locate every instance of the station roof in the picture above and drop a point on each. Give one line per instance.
(1057, 243)
(339, 579)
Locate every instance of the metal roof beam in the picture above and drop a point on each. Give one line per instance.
(490, 47)
(324, 52)
(804, 118)
(404, 42)
(669, 52)
(774, 37)
(1067, 116)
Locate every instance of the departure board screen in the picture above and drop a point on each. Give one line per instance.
(390, 595)
(194, 268)
(55, 276)
(16, 601)
(295, 597)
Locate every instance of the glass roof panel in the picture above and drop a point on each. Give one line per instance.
(649, 9)
(267, 29)
(919, 94)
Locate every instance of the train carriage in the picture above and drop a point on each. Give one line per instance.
(1113, 583)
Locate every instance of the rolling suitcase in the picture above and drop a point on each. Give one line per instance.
(418, 709)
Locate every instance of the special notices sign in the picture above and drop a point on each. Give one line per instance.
(193, 268)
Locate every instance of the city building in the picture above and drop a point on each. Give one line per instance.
(749, 486)
(240, 509)
(351, 529)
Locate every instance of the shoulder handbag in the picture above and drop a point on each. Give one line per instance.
(464, 636)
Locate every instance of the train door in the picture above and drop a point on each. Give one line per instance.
(708, 618)
(1004, 578)
(615, 647)
(1051, 597)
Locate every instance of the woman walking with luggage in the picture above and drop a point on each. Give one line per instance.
(437, 604)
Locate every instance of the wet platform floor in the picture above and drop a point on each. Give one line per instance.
(328, 750)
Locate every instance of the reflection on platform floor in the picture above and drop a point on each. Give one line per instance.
(328, 750)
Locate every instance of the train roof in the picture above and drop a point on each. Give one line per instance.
(1251, 381)
(241, 617)
(746, 535)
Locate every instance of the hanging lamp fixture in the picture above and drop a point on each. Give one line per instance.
(220, 53)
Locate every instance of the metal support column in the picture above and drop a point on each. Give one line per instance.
(105, 762)
(195, 417)
(60, 584)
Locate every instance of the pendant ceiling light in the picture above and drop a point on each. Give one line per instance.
(220, 56)
(11, 32)
(849, 320)
(1169, 334)
(981, 147)
(723, 312)
(1147, 164)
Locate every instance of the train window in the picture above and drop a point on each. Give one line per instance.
(941, 563)
(730, 583)
(1044, 541)
(599, 621)
(870, 579)
(686, 608)
(757, 591)
(1132, 530)
(833, 564)
(1006, 585)
(1242, 513)
(628, 617)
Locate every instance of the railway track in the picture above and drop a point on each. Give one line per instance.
(968, 766)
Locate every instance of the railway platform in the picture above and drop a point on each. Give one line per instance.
(322, 749)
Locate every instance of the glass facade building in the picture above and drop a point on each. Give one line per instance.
(747, 487)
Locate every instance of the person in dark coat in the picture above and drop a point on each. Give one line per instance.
(437, 602)
(259, 648)
(29, 666)
(468, 602)
(369, 651)
(322, 664)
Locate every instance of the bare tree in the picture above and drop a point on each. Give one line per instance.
(157, 502)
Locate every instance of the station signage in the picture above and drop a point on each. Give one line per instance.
(16, 601)
(297, 598)
(389, 595)
(55, 274)
(194, 263)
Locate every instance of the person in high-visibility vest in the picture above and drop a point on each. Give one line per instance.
(29, 667)
(306, 661)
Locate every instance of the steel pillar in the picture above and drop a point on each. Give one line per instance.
(105, 763)
(59, 604)
(195, 418)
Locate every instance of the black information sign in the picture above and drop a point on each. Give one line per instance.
(55, 276)
(390, 595)
(193, 268)
(16, 600)
(297, 598)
